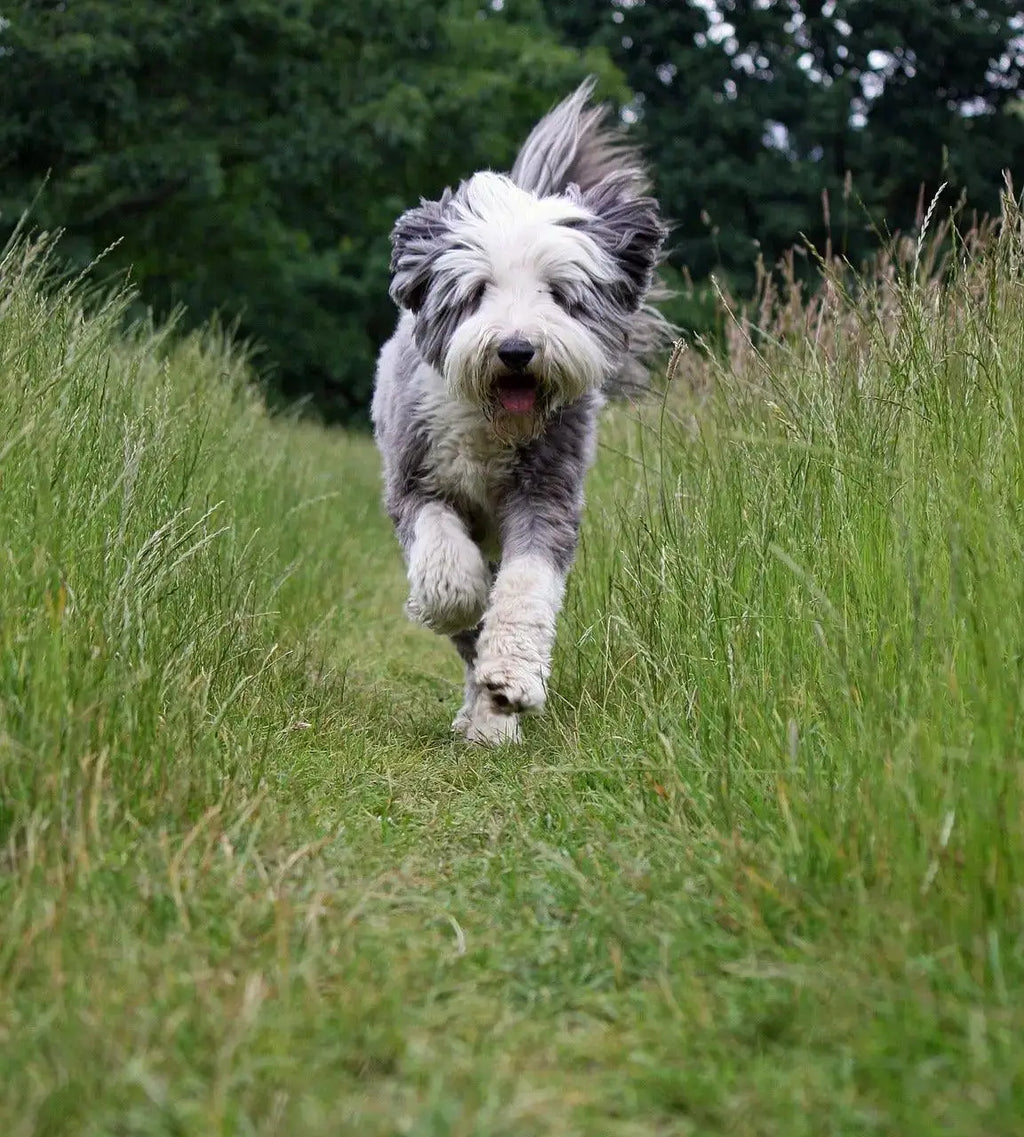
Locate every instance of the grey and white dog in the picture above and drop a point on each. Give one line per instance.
(524, 304)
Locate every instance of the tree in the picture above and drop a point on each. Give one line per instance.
(753, 109)
(250, 156)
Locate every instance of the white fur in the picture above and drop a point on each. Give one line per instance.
(467, 460)
(515, 247)
(514, 650)
(448, 576)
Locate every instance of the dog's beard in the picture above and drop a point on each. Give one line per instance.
(516, 404)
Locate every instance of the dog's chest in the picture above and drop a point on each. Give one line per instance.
(465, 462)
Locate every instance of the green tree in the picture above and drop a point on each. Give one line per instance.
(753, 109)
(250, 156)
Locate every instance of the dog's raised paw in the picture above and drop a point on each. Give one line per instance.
(445, 619)
(448, 593)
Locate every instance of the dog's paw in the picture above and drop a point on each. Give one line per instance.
(448, 589)
(444, 619)
(512, 685)
(482, 725)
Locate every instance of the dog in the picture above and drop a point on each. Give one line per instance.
(524, 303)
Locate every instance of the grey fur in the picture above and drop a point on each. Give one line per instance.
(541, 508)
(574, 145)
(402, 435)
(465, 645)
(447, 461)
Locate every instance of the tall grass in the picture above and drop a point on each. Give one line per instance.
(134, 606)
(823, 598)
(759, 871)
(810, 619)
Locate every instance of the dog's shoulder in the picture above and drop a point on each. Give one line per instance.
(397, 365)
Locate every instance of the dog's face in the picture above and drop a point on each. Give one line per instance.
(523, 303)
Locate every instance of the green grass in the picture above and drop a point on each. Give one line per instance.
(758, 871)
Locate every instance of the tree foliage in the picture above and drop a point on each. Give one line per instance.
(754, 109)
(251, 155)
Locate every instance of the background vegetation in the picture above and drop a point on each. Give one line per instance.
(250, 156)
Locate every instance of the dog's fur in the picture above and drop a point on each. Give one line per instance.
(485, 445)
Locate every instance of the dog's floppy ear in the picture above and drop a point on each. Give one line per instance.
(629, 228)
(416, 239)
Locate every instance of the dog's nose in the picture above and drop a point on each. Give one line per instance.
(515, 353)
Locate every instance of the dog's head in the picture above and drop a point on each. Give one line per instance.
(523, 302)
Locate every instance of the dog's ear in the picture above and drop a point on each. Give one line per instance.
(630, 230)
(417, 238)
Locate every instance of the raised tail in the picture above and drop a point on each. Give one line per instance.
(574, 144)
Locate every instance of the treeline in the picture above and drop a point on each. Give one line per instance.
(756, 109)
(250, 156)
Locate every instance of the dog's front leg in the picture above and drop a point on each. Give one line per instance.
(514, 650)
(449, 578)
(478, 720)
(513, 656)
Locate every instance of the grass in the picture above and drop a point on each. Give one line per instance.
(759, 870)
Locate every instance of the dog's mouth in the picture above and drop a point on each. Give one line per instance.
(517, 393)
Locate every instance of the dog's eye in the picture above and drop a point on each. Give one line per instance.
(560, 296)
(475, 297)
(565, 300)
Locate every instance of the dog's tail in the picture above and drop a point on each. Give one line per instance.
(574, 144)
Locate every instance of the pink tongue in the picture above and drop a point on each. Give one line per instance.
(518, 400)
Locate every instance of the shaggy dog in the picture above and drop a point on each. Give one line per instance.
(524, 303)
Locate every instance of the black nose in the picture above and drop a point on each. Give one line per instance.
(515, 353)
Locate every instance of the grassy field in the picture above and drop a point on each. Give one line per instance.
(759, 871)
